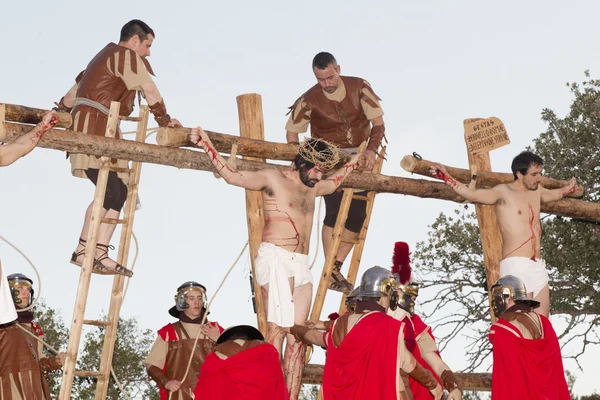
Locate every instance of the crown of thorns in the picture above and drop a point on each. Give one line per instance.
(320, 153)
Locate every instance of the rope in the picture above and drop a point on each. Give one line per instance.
(206, 313)
(35, 300)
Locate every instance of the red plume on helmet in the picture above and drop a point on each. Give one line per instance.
(401, 262)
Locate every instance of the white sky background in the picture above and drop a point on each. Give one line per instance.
(434, 63)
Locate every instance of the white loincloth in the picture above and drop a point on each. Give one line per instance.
(532, 273)
(274, 266)
(7, 306)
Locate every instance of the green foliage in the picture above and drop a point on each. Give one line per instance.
(131, 348)
(309, 392)
(56, 335)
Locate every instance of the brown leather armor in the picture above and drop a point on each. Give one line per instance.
(19, 360)
(231, 348)
(99, 84)
(343, 124)
(450, 381)
(525, 319)
(178, 357)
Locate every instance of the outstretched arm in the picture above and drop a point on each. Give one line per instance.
(549, 195)
(429, 352)
(481, 196)
(329, 185)
(22, 146)
(251, 180)
(307, 335)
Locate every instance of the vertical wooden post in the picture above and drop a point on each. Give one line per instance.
(88, 261)
(252, 126)
(2, 119)
(491, 241)
(116, 299)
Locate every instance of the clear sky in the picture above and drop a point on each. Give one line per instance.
(434, 63)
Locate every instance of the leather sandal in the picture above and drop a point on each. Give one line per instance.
(119, 269)
(338, 283)
(96, 268)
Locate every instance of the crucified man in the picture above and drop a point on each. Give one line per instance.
(517, 206)
(282, 266)
(11, 152)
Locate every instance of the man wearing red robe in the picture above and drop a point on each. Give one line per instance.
(527, 360)
(242, 367)
(419, 336)
(366, 349)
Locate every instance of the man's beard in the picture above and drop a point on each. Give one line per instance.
(533, 187)
(305, 179)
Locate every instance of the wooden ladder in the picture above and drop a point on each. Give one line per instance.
(116, 300)
(359, 243)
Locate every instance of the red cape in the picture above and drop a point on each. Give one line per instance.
(419, 391)
(253, 374)
(524, 368)
(364, 365)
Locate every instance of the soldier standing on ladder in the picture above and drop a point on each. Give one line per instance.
(345, 111)
(116, 73)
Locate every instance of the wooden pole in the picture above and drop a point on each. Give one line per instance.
(30, 115)
(116, 298)
(75, 142)
(88, 260)
(252, 126)
(485, 179)
(179, 137)
(313, 375)
(491, 240)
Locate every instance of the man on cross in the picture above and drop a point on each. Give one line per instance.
(517, 206)
(282, 266)
(11, 152)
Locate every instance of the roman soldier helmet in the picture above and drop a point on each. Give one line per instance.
(16, 280)
(410, 291)
(378, 282)
(351, 300)
(245, 332)
(509, 287)
(182, 290)
(402, 271)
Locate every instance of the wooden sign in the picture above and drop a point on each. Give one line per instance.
(484, 135)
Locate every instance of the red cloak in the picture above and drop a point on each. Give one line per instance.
(419, 391)
(365, 364)
(526, 369)
(253, 374)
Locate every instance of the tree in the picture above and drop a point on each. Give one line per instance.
(309, 392)
(56, 335)
(131, 348)
(450, 261)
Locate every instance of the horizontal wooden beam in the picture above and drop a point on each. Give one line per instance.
(485, 179)
(30, 115)
(74, 142)
(313, 375)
